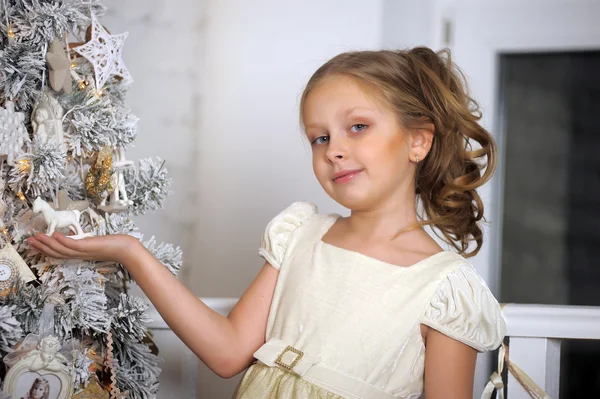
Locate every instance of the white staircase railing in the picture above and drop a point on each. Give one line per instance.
(180, 365)
(535, 333)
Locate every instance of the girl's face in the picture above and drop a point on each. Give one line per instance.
(38, 392)
(361, 154)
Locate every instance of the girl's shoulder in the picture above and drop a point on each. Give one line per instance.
(282, 228)
(463, 307)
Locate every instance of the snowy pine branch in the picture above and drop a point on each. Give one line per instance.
(147, 185)
(169, 255)
(39, 170)
(39, 22)
(10, 329)
(21, 68)
(137, 369)
(129, 318)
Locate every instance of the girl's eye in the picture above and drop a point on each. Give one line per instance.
(358, 127)
(321, 140)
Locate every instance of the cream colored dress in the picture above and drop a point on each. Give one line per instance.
(343, 324)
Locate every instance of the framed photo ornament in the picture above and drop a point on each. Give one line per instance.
(41, 374)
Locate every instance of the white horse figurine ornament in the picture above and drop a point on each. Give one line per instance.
(59, 219)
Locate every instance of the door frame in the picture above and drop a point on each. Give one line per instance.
(478, 33)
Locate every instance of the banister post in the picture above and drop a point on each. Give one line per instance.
(540, 359)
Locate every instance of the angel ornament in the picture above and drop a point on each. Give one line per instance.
(46, 367)
(117, 198)
(47, 356)
(47, 120)
(60, 219)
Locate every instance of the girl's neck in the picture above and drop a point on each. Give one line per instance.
(384, 222)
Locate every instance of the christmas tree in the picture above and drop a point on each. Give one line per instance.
(64, 132)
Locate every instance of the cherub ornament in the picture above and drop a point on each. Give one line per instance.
(59, 219)
(13, 134)
(47, 120)
(47, 356)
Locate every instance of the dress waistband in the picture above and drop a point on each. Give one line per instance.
(276, 353)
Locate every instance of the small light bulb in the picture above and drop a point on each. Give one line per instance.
(73, 65)
(11, 32)
(21, 196)
(82, 85)
(24, 165)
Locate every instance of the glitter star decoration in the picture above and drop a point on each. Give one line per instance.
(104, 52)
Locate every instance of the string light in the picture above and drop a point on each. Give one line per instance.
(73, 65)
(4, 231)
(21, 196)
(82, 85)
(24, 165)
(10, 33)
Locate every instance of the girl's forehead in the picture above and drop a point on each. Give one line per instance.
(342, 85)
(335, 92)
(340, 96)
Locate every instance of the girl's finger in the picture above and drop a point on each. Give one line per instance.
(43, 248)
(71, 243)
(58, 247)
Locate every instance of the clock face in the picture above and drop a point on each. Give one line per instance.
(8, 274)
(5, 272)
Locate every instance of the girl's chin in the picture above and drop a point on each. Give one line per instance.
(355, 203)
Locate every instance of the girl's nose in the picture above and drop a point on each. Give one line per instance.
(336, 150)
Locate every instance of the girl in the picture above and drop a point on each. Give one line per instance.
(365, 306)
(40, 389)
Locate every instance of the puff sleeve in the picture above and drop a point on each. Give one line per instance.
(464, 308)
(280, 229)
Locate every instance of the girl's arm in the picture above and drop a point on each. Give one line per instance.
(449, 367)
(225, 344)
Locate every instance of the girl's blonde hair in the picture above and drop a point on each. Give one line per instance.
(426, 87)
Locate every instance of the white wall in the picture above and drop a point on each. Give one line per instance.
(163, 54)
(407, 23)
(252, 158)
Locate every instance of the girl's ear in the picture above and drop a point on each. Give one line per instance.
(422, 138)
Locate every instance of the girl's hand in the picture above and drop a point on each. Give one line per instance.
(114, 248)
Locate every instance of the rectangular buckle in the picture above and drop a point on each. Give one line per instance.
(289, 367)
